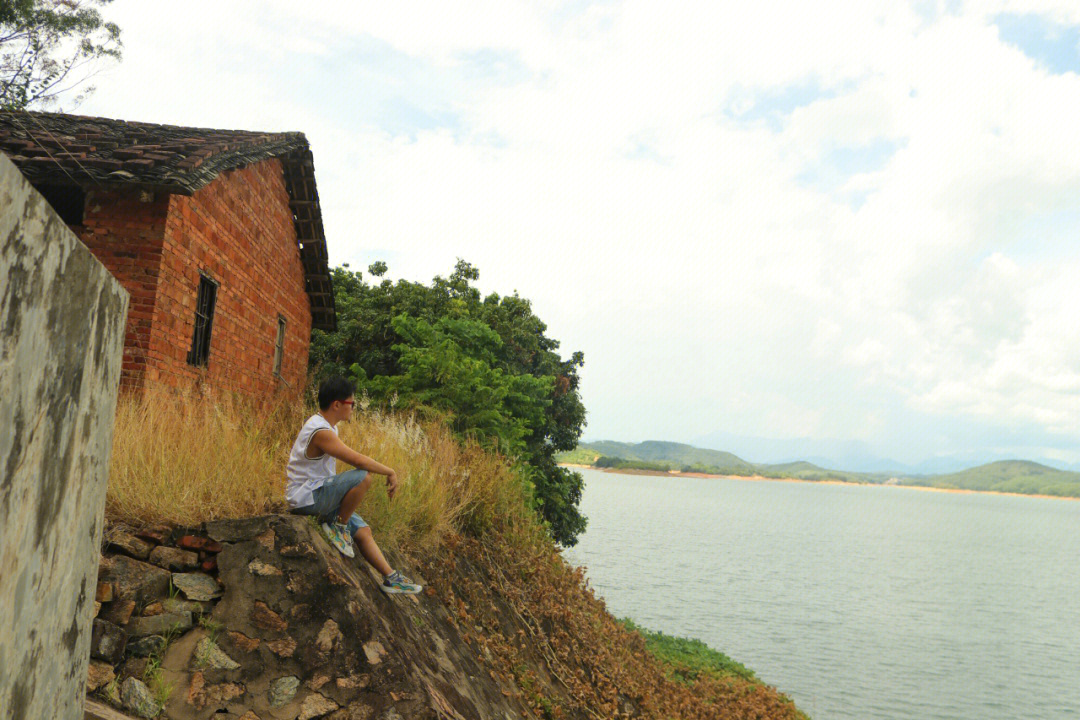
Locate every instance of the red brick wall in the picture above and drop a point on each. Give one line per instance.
(125, 230)
(239, 231)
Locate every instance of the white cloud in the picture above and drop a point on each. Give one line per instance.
(710, 288)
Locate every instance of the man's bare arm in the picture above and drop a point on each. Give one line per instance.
(328, 442)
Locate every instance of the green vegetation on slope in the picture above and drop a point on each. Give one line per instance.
(676, 455)
(485, 365)
(1013, 476)
(687, 659)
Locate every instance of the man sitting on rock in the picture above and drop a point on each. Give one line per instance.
(315, 489)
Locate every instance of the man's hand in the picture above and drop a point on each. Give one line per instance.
(391, 484)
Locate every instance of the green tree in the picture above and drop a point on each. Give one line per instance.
(485, 362)
(49, 47)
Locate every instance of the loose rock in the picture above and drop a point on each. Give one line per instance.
(153, 609)
(134, 667)
(98, 674)
(328, 636)
(266, 539)
(118, 612)
(137, 698)
(104, 592)
(237, 530)
(355, 711)
(258, 567)
(176, 605)
(159, 624)
(282, 690)
(299, 550)
(209, 655)
(157, 534)
(267, 619)
(194, 542)
(136, 580)
(315, 705)
(242, 641)
(353, 682)
(283, 647)
(107, 641)
(174, 558)
(374, 651)
(128, 544)
(197, 586)
(146, 646)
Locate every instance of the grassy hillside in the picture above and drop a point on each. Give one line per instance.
(184, 460)
(677, 455)
(664, 456)
(1014, 476)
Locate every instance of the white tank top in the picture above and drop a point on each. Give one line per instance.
(304, 473)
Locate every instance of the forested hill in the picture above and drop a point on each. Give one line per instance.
(668, 452)
(1014, 476)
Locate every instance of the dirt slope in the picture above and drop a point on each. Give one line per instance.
(502, 631)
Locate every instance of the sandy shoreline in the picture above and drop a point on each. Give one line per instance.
(759, 478)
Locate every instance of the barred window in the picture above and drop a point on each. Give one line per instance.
(279, 347)
(204, 322)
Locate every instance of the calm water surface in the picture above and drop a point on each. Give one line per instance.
(858, 602)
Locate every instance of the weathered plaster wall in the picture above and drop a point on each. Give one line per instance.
(61, 337)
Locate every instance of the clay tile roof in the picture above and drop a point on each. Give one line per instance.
(59, 149)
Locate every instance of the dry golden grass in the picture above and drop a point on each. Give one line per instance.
(185, 459)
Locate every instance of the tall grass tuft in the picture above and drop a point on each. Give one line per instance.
(185, 459)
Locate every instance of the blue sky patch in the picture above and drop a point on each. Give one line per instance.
(771, 106)
(839, 164)
(1056, 47)
(382, 87)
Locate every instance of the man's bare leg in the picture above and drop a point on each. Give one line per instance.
(371, 552)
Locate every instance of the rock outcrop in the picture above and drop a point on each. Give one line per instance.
(276, 624)
(282, 627)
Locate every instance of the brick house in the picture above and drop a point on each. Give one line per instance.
(217, 235)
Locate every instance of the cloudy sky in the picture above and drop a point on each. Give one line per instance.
(814, 221)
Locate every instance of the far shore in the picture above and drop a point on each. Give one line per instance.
(758, 478)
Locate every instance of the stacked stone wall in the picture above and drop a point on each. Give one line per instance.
(61, 336)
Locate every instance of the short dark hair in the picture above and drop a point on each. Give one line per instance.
(334, 389)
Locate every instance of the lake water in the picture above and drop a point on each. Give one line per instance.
(858, 602)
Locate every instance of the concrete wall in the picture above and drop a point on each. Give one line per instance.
(61, 337)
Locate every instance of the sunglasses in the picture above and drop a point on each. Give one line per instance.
(347, 402)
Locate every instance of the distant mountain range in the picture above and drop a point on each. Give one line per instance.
(852, 455)
(1017, 476)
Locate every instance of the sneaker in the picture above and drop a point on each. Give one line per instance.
(339, 538)
(395, 582)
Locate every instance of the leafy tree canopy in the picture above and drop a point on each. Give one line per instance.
(484, 362)
(48, 47)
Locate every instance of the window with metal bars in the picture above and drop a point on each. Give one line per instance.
(279, 347)
(204, 322)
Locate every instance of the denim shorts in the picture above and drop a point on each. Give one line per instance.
(328, 499)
